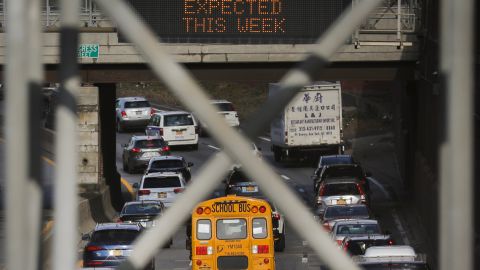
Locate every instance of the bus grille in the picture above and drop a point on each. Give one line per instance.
(232, 262)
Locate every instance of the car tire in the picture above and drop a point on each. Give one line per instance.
(280, 243)
(277, 155)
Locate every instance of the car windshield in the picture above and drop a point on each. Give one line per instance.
(114, 236)
(137, 104)
(341, 189)
(225, 107)
(178, 120)
(238, 177)
(138, 209)
(155, 143)
(162, 182)
(342, 171)
(394, 266)
(352, 229)
(166, 164)
(345, 211)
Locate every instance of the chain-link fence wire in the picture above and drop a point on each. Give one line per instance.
(235, 145)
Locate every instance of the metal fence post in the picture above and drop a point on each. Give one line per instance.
(456, 179)
(65, 231)
(16, 119)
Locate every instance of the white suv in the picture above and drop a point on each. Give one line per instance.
(176, 128)
(132, 112)
(163, 186)
(226, 110)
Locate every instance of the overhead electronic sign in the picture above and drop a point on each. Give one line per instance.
(239, 21)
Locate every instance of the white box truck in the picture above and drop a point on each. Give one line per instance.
(310, 125)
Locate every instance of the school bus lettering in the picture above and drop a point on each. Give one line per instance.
(231, 207)
(234, 246)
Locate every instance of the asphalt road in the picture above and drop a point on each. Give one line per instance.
(376, 154)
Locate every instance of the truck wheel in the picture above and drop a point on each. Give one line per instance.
(280, 243)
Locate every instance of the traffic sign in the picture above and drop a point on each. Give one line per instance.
(88, 50)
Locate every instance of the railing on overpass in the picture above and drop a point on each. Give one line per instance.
(391, 17)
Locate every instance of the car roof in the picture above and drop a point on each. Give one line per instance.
(213, 101)
(356, 221)
(166, 158)
(132, 98)
(142, 202)
(171, 112)
(117, 226)
(163, 174)
(143, 137)
(341, 180)
(337, 156)
(332, 166)
(390, 251)
(369, 237)
(347, 206)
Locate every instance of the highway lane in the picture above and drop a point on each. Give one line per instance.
(375, 153)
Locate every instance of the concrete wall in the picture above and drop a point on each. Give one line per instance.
(88, 136)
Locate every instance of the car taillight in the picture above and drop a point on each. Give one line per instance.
(203, 250)
(119, 220)
(166, 148)
(143, 192)
(92, 263)
(136, 150)
(152, 111)
(93, 248)
(276, 216)
(390, 242)
(322, 191)
(326, 225)
(178, 190)
(345, 247)
(260, 249)
(124, 114)
(160, 132)
(360, 189)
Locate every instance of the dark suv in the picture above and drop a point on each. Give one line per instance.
(237, 181)
(110, 244)
(341, 171)
(140, 149)
(170, 164)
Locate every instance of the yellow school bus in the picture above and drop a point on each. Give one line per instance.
(232, 232)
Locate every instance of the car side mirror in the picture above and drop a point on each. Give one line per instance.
(368, 174)
(136, 185)
(190, 164)
(85, 236)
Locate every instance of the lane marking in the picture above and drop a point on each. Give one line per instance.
(381, 187)
(47, 228)
(213, 147)
(265, 139)
(285, 177)
(128, 186)
(398, 223)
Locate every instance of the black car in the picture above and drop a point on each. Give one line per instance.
(170, 164)
(110, 244)
(144, 213)
(238, 181)
(140, 149)
(340, 171)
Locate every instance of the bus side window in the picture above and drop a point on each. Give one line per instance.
(259, 228)
(204, 229)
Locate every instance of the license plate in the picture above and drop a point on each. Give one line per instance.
(179, 133)
(250, 189)
(139, 112)
(341, 202)
(117, 252)
(162, 195)
(150, 154)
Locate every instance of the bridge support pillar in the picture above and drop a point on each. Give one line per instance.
(107, 95)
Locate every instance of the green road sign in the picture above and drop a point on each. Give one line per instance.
(88, 50)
